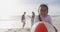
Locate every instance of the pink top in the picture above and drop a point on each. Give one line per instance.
(46, 19)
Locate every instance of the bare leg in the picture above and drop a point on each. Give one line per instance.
(23, 24)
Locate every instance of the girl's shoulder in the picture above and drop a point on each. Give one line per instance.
(37, 16)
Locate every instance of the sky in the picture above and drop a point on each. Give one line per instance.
(32, 5)
(17, 7)
(10, 8)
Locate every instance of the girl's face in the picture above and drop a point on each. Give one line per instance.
(43, 11)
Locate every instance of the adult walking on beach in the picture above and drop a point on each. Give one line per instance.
(23, 19)
(32, 19)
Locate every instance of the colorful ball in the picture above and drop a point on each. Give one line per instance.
(42, 27)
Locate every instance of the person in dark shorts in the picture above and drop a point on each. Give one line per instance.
(23, 19)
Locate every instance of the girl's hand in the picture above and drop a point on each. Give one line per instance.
(56, 30)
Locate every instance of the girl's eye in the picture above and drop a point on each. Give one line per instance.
(44, 9)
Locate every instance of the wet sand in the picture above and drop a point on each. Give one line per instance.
(55, 21)
(15, 30)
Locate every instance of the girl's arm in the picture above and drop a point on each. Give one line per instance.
(55, 29)
(52, 24)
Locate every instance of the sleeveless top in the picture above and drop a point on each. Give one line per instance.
(46, 19)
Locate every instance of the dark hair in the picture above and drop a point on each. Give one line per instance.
(33, 12)
(44, 6)
(24, 12)
(39, 18)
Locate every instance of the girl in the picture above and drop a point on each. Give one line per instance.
(43, 15)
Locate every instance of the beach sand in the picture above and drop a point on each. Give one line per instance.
(15, 30)
(55, 21)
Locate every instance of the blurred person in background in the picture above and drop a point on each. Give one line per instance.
(23, 19)
(32, 19)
